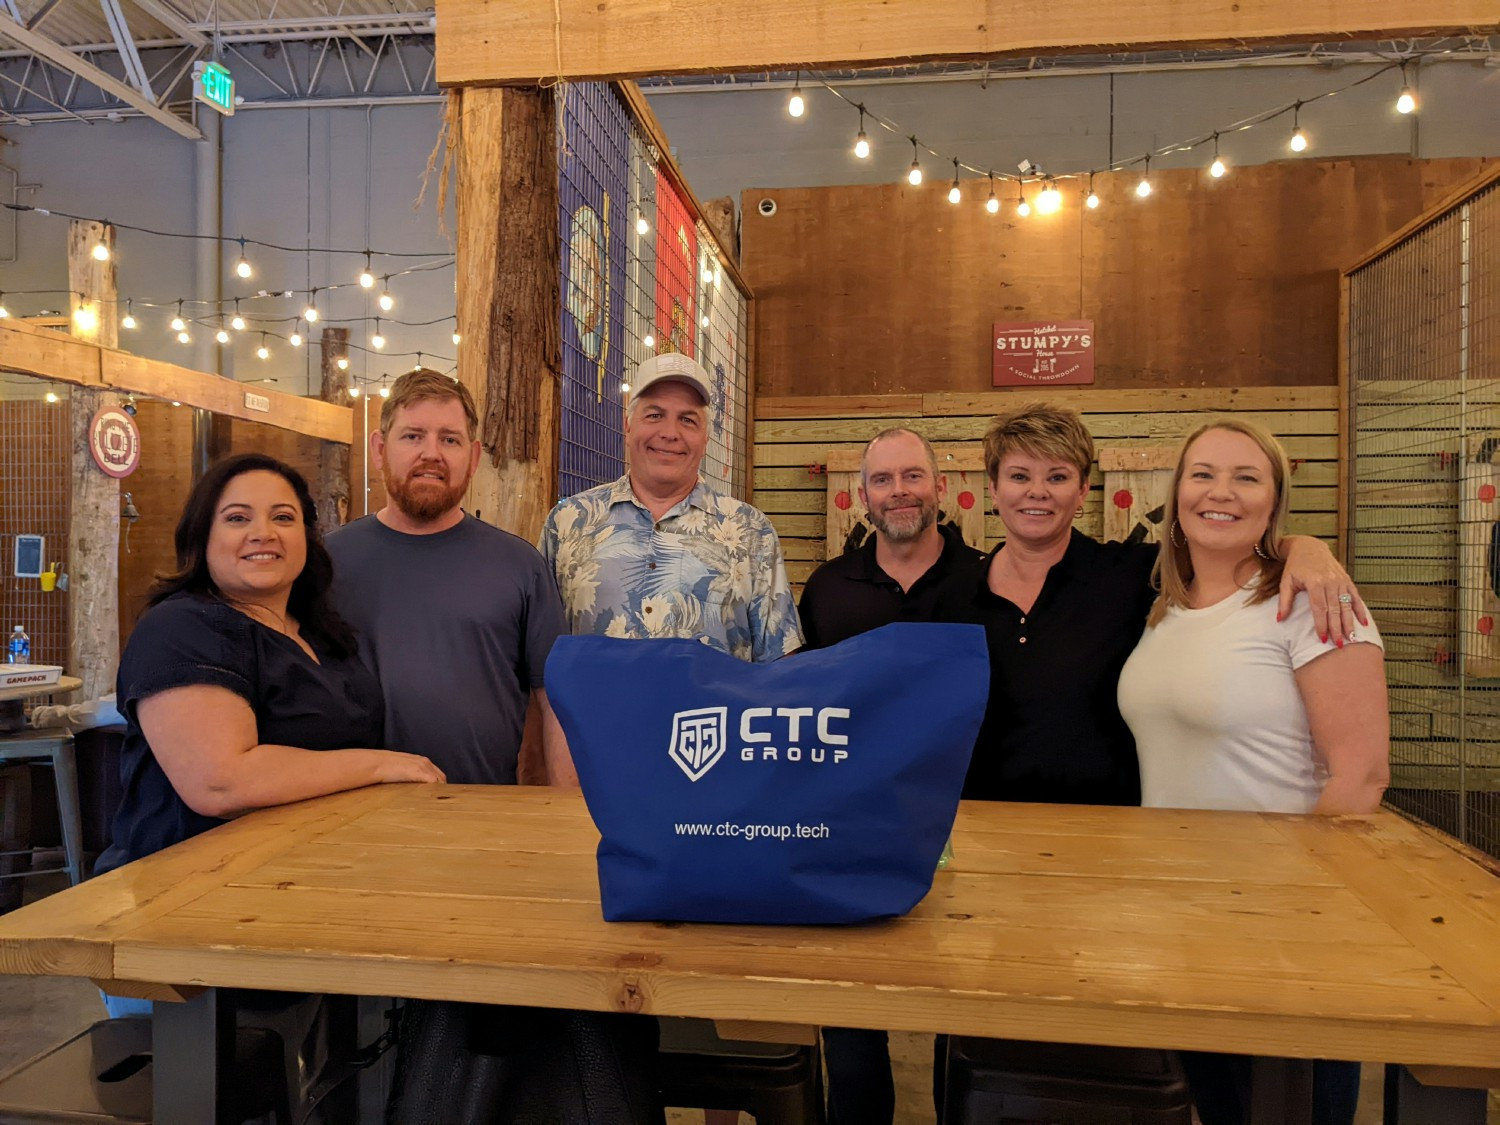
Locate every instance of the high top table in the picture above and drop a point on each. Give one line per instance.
(1357, 937)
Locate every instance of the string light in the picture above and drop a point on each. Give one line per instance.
(707, 275)
(184, 338)
(1092, 202)
(366, 278)
(377, 341)
(1407, 101)
(4, 312)
(418, 365)
(242, 267)
(456, 337)
(263, 352)
(178, 324)
(353, 391)
(85, 319)
(648, 341)
(642, 227)
(385, 392)
(914, 177)
(1217, 169)
(992, 205)
(704, 321)
(1143, 188)
(796, 105)
(310, 314)
(954, 195)
(1298, 143)
(221, 335)
(1050, 201)
(100, 252)
(238, 323)
(342, 363)
(1022, 207)
(128, 321)
(295, 339)
(50, 396)
(862, 142)
(386, 302)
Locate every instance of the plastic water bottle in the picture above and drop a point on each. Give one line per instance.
(19, 649)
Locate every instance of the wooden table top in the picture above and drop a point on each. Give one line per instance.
(1363, 938)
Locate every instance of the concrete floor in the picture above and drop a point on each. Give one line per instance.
(36, 1012)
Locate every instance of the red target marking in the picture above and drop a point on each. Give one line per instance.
(1486, 493)
(841, 501)
(966, 500)
(1486, 625)
(1123, 499)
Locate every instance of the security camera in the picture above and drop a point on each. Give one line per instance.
(767, 207)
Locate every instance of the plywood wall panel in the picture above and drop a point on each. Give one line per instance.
(888, 289)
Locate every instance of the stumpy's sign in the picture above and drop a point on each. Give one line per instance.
(1043, 353)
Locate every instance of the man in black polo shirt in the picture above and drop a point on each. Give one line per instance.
(893, 576)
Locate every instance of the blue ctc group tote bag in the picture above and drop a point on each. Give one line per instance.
(819, 788)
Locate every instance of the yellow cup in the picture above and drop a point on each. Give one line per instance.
(49, 580)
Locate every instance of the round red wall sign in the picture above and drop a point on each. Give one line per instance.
(115, 442)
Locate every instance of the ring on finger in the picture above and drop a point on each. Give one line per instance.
(1346, 599)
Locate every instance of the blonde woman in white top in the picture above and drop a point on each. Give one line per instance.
(1231, 709)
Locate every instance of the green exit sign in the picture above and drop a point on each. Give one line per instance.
(213, 85)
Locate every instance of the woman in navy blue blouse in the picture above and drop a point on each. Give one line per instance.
(240, 686)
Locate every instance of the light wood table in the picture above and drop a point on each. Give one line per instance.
(1360, 938)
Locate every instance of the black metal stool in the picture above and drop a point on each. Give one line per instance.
(996, 1080)
(777, 1083)
(103, 1074)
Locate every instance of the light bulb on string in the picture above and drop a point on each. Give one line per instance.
(386, 302)
(648, 341)
(1022, 207)
(85, 319)
(862, 142)
(377, 341)
(222, 336)
(914, 177)
(1217, 168)
(237, 322)
(796, 105)
(263, 352)
(128, 321)
(342, 363)
(178, 324)
(353, 391)
(366, 278)
(704, 321)
(242, 267)
(418, 365)
(707, 275)
(954, 194)
(295, 339)
(385, 392)
(1092, 201)
(50, 396)
(1049, 202)
(1406, 102)
(100, 252)
(641, 225)
(456, 337)
(992, 205)
(1143, 188)
(310, 314)
(1298, 143)
(184, 338)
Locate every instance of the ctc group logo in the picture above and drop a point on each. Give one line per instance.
(698, 739)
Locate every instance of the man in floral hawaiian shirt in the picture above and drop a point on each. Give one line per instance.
(659, 554)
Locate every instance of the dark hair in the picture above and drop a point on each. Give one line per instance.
(308, 603)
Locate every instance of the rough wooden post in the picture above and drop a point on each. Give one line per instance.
(94, 507)
(333, 484)
(509, 353)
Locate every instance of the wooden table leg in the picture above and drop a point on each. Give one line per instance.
(1281, 1091)
(191, 1055)
(1409, 1102)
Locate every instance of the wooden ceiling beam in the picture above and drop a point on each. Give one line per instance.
(497, 42)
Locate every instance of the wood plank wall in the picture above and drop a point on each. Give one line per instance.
(888, 289)
(794, 437)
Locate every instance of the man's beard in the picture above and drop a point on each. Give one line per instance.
(904, 529)
(425, 502)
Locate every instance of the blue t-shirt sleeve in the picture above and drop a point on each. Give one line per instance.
(544, 622)
(187, 641)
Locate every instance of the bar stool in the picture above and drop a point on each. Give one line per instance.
(998, 1080)
(55, 747)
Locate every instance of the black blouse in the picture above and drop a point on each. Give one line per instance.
(1052, 730)
(187, 639)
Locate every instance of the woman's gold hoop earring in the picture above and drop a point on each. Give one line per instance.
(1173, 532)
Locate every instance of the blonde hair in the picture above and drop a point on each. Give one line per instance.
(1041, 430)
(1173, 572)
(424, 383)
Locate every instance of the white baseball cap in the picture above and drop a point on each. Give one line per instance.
(674, 367)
